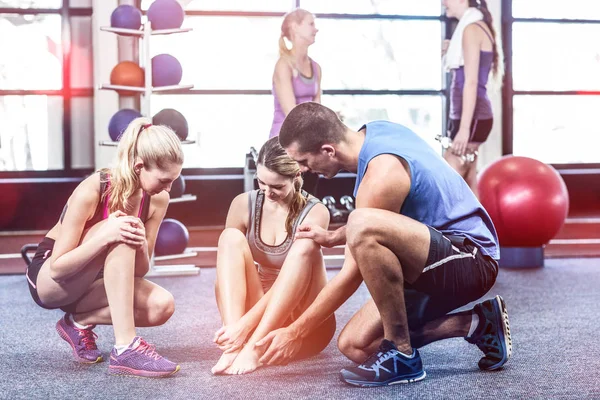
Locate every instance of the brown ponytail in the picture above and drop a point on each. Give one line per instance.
(497, 63)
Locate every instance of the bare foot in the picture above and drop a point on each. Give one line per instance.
(246, 361)
(224, 362)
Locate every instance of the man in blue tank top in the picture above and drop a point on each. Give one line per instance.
(419, 239)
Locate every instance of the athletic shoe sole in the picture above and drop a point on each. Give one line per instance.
(66, 338)
(502, 320)
(124, 371)
(389, 382)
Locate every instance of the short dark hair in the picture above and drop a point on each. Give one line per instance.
(311, 125)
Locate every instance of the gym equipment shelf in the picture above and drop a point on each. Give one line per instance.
(145, 33)
(142, 33)
(142, 90)
(145, 99)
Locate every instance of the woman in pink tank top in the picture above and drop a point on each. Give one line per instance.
(266, 278)
(297, 77)
(92, 263)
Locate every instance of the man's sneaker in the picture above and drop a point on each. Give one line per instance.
(492, 335)
(82, 341)
(141, 359)
(387, 366)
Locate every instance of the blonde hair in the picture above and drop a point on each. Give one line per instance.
(156, 145)
(273, 157)
(295, 16)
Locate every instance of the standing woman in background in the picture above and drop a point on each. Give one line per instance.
(471, 54)
(297, 77)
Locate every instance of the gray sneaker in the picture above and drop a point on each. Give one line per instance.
(82, 341)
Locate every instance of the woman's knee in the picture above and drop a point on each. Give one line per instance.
(160, 307)
(231, 236)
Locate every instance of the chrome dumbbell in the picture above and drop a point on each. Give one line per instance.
(337, 215)
(348, 202)
(447, 143)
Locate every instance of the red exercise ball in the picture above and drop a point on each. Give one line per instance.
(526, 199)
(127, 73)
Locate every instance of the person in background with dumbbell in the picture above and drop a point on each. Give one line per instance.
(416, 225)
(92, 263)
(469, 56)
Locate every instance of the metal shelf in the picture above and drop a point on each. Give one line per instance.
(140, 32)
(140, 89)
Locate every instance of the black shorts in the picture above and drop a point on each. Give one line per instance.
(480, 129)
(42, 253)
(456, 273)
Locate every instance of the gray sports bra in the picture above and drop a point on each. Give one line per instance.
(270, 258)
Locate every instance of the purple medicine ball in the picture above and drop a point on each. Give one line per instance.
(166, 14)
(166, 70)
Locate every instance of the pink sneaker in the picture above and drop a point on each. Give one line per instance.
(142, 360)
(82, 341)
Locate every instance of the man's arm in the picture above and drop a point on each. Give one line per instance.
(374, 192)
(386, 184)
(283, 344)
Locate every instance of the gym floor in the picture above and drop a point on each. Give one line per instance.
(553, 315)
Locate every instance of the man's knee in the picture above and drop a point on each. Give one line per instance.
(161, 306)
(360, 229)
(349, 347)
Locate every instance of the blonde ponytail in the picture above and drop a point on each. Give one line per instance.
(284, 52)
(157, 146)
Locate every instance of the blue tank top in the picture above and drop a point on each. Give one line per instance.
(438, 196)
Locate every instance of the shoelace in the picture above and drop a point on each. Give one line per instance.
(148, 349)
(88, 338)
(376, 359)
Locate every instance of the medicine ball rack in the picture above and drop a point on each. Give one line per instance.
(146, 94)
(147, 90)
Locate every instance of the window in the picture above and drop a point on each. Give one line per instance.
(554, 95)
(380, 59)
(41, 98)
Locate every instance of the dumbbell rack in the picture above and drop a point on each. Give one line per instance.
(146, 95)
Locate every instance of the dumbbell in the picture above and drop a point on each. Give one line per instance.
(337, 215)
(447, 143)
(348, 202)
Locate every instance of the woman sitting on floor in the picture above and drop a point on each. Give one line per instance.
(265, 278)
